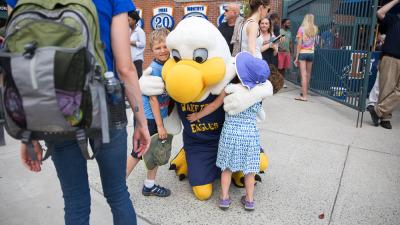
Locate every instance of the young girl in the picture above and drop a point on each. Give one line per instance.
(306, 37)
(239, 145)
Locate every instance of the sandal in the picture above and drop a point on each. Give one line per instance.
(301, 99)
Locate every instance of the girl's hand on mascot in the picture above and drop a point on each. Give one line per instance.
(192, 117)
(162, 133)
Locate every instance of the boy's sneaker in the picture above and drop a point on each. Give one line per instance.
(249, 206)
(224, 203)
(156, 190)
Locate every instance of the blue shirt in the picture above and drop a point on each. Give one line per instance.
(327, 37)
(163, 100)
(106, 9)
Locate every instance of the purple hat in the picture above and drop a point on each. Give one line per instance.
(251, 70)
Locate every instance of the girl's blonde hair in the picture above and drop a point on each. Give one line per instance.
(310, 30)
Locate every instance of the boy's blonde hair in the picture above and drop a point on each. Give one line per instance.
(159, 35)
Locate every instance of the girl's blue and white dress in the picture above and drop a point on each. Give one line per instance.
(239, 144)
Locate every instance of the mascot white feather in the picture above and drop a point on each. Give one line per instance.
(200, 68)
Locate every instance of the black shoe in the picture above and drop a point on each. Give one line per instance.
(156, 190)
(386, 124)
(374, 116)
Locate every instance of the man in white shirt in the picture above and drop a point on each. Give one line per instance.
(138, 41)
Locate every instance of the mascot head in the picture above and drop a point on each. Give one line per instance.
(200, 61)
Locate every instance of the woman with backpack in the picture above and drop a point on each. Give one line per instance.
(68, 160)
(306, 40)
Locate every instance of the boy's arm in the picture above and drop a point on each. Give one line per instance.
(210, 108)
(155, 108)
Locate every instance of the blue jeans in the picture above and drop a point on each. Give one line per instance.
(72, 172)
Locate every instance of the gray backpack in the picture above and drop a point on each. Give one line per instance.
(52, 74)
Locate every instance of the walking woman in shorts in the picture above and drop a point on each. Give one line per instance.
(306, 38)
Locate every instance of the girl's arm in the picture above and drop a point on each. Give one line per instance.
(296, 61)
(267, 46)
(299, 37)
(210, 108)
(252, 32)
(155, 108)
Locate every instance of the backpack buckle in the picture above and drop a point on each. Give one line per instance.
(30, 49)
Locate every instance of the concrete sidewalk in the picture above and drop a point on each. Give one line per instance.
(323, 170)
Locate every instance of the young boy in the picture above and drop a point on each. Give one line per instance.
(155, 109)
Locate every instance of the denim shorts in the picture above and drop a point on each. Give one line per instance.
(309, 57)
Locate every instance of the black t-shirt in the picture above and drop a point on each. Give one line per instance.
(390, 26)
(227, 32)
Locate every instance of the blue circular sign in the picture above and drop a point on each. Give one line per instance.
(162, 20)
(197, 14)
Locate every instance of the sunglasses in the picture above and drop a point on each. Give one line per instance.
(268, 8)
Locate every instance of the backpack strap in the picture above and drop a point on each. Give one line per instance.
(26, 138)
(2, 137)
(82, 140)
(49, 150)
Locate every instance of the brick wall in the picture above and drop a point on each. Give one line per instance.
(178, 5)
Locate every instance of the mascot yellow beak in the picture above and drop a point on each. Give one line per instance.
(187, 81)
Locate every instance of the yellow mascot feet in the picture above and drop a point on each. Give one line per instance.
(202, 192)
(179, 165)
(238, 179)
(263, 162)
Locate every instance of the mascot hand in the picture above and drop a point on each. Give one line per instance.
(151, 85)
(172, 123)
(261, 115)
(240, 98)
(179, 165)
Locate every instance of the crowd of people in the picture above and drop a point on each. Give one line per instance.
(264, 37)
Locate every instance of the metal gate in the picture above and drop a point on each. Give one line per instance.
(343, 58)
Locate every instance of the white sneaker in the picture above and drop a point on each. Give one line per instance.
(284, 86)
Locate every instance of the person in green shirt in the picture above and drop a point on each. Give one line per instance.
(285, 47)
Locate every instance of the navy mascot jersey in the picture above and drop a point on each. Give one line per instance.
(200, 140)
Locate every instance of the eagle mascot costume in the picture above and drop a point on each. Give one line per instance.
(199, 69)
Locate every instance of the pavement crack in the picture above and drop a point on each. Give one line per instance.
(340, 185)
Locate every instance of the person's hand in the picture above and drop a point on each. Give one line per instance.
(162, 133)
(33, 165)
(192, 117)
(141, 140)
(296, 62)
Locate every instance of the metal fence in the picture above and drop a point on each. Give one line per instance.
(344, 62)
